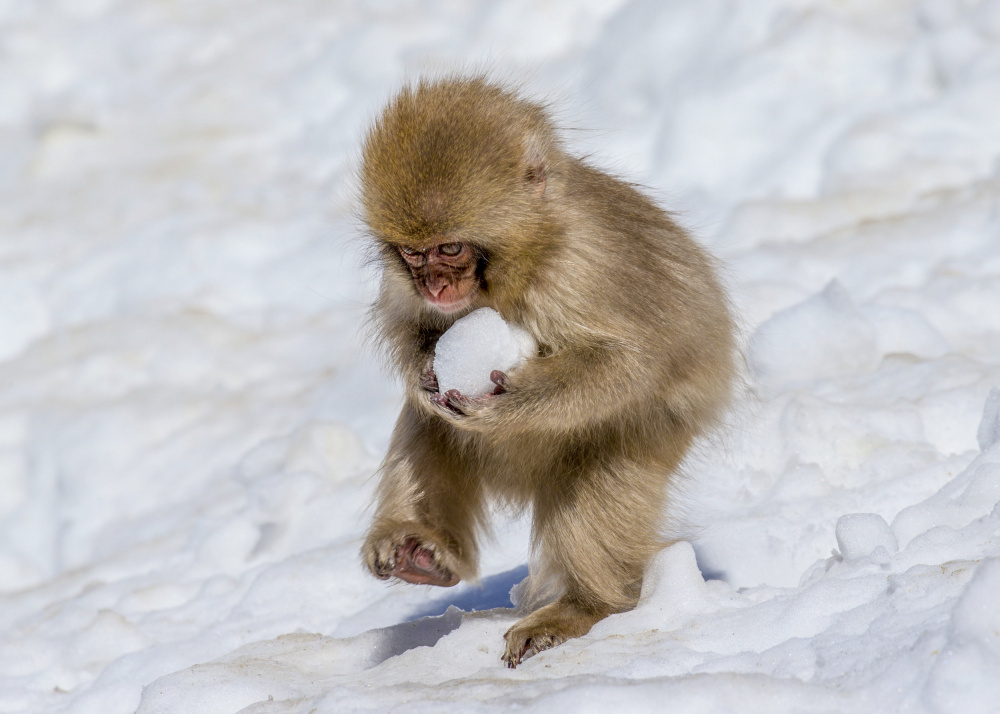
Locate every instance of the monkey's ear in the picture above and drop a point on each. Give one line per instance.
(535, 173)
(535, 152)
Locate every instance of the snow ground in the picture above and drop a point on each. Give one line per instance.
(189, 420)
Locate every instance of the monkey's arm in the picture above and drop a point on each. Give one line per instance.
(567, 390)
(410, 345)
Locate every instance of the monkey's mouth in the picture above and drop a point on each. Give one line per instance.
(447, 301)
(449, 307)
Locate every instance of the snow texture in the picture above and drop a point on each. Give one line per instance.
(989, 428)
(191, 422)
(474, 346)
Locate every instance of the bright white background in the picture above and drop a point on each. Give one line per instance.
(190, 420)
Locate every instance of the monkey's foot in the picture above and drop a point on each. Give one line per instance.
(545, 628)
(409, 557)
(522, 645)
(418, 563)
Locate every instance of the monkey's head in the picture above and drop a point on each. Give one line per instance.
(455, 185)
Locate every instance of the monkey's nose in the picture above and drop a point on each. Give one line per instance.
(436, 288)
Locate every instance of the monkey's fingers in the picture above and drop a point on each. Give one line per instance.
(445, 402)
(429, 381)
(500, 379)
(455, 402)
(458, 404)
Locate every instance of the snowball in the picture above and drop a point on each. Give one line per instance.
(860, 534)
(476, 345)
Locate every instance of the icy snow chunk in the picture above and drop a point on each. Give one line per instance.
(476, 345)
(674, 580)
(989, 428)
(673, 591)
(860, 534)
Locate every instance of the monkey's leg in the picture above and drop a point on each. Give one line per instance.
(596, 531)
(429, 507)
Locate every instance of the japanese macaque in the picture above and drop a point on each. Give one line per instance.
(472, 202)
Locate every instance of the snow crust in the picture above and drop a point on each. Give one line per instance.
(475, 345)
(190, 421)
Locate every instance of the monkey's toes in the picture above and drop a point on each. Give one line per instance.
(420, 564)
(521, 646)
(380, 561)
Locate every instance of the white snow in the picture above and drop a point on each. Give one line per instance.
(475, 345)
(190, 419)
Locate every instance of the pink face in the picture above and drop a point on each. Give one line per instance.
(445, 274)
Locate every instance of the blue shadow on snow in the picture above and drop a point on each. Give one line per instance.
(492, 592)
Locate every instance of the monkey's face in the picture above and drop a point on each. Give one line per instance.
(444, 274)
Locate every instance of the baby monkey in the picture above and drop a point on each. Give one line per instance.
(472, 202)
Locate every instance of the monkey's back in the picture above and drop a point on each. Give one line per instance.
(643, 286)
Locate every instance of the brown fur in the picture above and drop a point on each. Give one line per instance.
(636, 354)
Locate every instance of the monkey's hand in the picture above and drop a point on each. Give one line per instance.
(409, 552)
(428, 380)
(456, 404)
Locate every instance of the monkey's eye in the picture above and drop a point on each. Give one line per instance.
(451, 249)
(408, 251)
